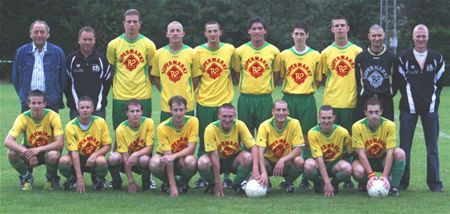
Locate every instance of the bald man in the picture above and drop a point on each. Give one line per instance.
(420, 82)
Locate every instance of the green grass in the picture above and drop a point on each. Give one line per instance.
(416, 200)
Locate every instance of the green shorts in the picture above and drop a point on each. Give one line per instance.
(303, 108)
(166, 115)
(205, 115)
(119, 109)
(377, 164)
(329, 166)
(344, 118)
(226, 165)
(253, 109)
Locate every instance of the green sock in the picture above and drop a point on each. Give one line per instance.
(226, 175)
(145, 172)
(398, 168)
(66, 170)
(293, 173)
(52, 169)
(207, 175)
(341, 177)
(21, 167)
(115, 172)
(101, 170)
(243, 172)
(314, 176)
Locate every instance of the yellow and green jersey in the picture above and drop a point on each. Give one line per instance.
(171, 139)
(374, 142)
(131, 59)
(37, 133)
(279, 143)
(227, 144)
(300, 71)
(338, 64)
(135, 139)
(216, 85)
(87, 141)
(332, 146)
(256, 67)
(176, 71)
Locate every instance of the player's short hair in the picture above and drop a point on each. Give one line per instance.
(420, 27)
(278, 101)
(256, 20)
(213, 22)
(337, 18)
(373, 101)
(86, 98)
(132, 12)
(326, 108)
(40, 22)
(226, 106)
(178, 100)
(86, 29)
(300, 25)
(37, 93)
(134, 102)
(376, 27)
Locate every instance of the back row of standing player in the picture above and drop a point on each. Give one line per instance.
(177, 70)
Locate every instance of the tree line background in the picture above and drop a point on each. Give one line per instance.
(66, 17)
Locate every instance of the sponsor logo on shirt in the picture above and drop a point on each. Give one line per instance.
(214, 67)
(375, 75)
(299, 72)
(228, 148)
(39, 138)
(278, 147)
(131, 59)
(180, 144)
(174, 70)
(330, 151)
(342, 65)
(88, 145)
(375, 147)
(136, 145)
(256, 66)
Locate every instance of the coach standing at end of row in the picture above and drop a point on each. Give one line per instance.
(420, 78)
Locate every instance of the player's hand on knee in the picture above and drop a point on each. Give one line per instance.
(80, 186)
(91, 160)
(132, 160)
(33, 161)
(31, 152)
(278, 169)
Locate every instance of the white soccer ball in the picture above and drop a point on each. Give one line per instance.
(378, 188)
(253, 189)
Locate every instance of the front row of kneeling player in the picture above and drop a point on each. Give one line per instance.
(275, 152)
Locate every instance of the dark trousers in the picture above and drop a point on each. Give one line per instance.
(430, 124)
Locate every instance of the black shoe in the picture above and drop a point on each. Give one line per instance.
(394, 192)
(437, 189)
(238, 188)
(200, 183)
(335, 185)
(164, 187)
(116, 184)
(100, 185)
(209, 189)
(70, 183)
(227, 183)
(146, 183)
(269, 187)
(288, 188)
(304, 184)
(349, 185)
(362, 187)
(318, 187)
(183, 188)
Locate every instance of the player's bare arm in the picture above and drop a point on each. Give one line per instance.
(364, 161)
(388, 163)
(56, 146)
(263, 179)
(328, 189)
(195, 82)
(132, 187)
(255, 168)
(93, 157)
(279, 166)
(189, 150)
(215, 162)
(156, 81)
(170, 174)
(79, 174)
(133, 158)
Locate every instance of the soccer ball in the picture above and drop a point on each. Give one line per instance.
(376, 188)
(253, 189)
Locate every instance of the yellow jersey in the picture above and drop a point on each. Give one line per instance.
(132, 140)
(171, 139)
(375, 142)
(332, 146)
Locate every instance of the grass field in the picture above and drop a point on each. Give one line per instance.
(417, 199)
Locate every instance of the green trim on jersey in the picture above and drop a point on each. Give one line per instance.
(317, 128)
(217, 124)
(127, 124)
(365, 121)
(210, 49)
(342, 48)
(140, 36)
(295, 52)
(77, 122)
(255, 48)
(167, 47)
(170, 123)
(272, 123)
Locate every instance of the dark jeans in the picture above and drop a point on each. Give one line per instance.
(74, 113)
(430, 124)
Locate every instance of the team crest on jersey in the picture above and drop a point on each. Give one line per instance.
(330, 151)
(342, 65)
(174, 70)
(256, 66)
(39, 138)
(180, 144)
(95, 68)
(88, 145)
(136, 145)
(278, 147)
(375, 75)
(214, 67)
(228, 148)
(131, 59)
(299, 72)
(374, 147)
